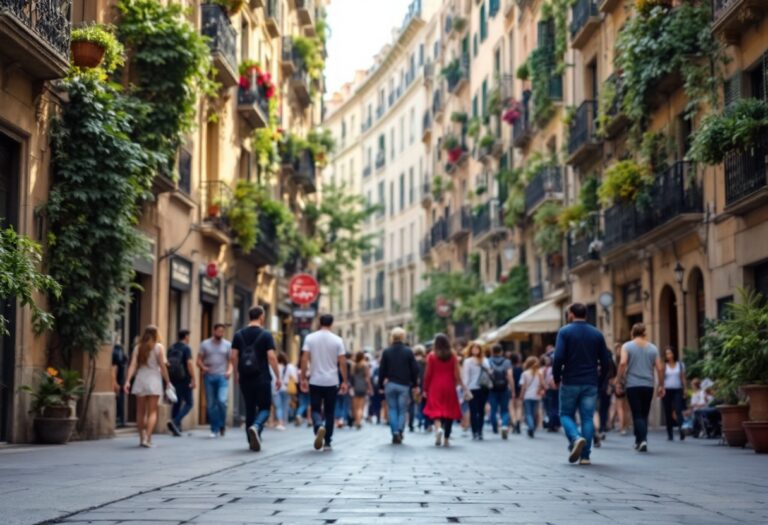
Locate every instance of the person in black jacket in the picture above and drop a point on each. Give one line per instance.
(182, 375)
(398, 377)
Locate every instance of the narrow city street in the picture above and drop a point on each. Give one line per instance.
(367, 480)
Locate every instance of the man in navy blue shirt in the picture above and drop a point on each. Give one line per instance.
(580, 365)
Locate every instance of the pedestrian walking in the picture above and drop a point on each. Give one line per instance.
(620, 408)
(323, 360)
(254, 356)
(674, 392)
(605, 395)
(639, 358)
(552, 393)
(148, 363)
(517, 398)
(477, 378)
(441, 379)
(215, 363)
(344, 401)
(119, 364)
(532, 386)
(302, 411)
(361, 386)
(425, 423)
(282, 399)
(398, 377)
(580, 366)
(501, 392)
(182, 375)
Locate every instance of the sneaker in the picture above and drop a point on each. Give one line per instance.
(396, 439)
(479, 437)
(597, 441)
(576, 448)
(173, 429)
(585, 461)
(254, 442)
(222, 430)
(504, 433)
(439, 438)
(402, 436)
(636, 446)
(319, 438)
(213, 435)
(643, 447)
(530, 432)
(280, 427)
(327, 448)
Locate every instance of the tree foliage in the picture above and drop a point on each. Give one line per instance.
(450, 286)
(507, 300)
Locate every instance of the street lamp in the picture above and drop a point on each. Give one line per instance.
(679, 272)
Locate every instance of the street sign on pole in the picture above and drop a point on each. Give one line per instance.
(303, 289)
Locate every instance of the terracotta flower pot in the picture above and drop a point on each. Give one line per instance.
(213, 210)
(757, 432)
(54, 430)
(57, 411)
(733, 416)
(87, 54)
(758, 401)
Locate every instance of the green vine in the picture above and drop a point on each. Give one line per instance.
(624, 182)
(735, 129)
(548, 236)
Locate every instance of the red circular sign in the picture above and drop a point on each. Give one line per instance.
(303, 289)
(442, 307)
(211, 270)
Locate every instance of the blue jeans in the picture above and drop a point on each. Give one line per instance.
(582, 398)
(552, 402)
(282, 403)
(216, 395)
(531, 407)
(397, 402)
(301, 411)
(343, 406)
(499, 400)
(184, 403)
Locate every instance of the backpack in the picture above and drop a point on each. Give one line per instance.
(499, 374)
(177, 372)
(248, 360)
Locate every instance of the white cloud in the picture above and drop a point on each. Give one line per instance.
(359, 29)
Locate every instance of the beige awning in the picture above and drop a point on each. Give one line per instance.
(543, 318)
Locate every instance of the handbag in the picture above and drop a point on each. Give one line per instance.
(170, 394)
(485, 380)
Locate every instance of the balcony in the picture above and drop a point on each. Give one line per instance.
(732, 17)
(301, 171)
(253, 106)
(304, 12)
(584, 22)
(583, 252)
(222, 39)
(34, 36)
(746, 177)
(458, 75)
(299, 83)
(426, 127)
(488, 223)
(428, 73)
(676, 204)
(381, 159)
(273, 17)
(287, 63)
(522, 130)
(426, 194)
(616, 120)
(536, 294)
(547, 184)
(214, 197)
(438, 103)
(460, 224)
(583, 142)
(425, 247)
(439, 232)
(267, 249)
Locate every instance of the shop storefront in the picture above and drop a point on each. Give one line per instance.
(180, 287)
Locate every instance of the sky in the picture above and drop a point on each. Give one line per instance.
(359, 28)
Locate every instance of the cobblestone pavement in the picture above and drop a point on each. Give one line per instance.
(367, 480)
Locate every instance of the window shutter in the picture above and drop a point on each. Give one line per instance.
(732, 89)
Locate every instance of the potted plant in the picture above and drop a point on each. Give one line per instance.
(53, 403)
(89, 45)
(523, 71)
(512, 113)
(459, 117)
(624, 182)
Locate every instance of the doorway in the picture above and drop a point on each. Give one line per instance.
(10, 154)
(206, 331)
(668, 329)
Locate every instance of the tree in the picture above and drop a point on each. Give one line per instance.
(505, 301)
(453, 287)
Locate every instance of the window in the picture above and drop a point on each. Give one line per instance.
(474, 107)
(483, 24)
(436, 49)
(421, 54)
(402, 191)
(475, 45)
(412, 126)
(402, 134)
(382, 203)
(392, 143)
(352, 125)
(484, 94)
(411, 191)
(391, 198)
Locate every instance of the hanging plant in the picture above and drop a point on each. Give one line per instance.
(523, 71)
(487, 141)
(495, 104)
(548, 237)
(458, 24)
(96, 45)
(738, 128)
(512, 113)
(473, 129)
(459, 117)
(623, 182)
(450, 142)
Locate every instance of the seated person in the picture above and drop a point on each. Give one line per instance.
(706, 418)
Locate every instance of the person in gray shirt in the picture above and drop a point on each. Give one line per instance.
(215, 363)
(639, 358)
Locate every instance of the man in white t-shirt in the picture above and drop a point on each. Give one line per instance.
(323, 360)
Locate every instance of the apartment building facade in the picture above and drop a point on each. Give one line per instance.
(197, 275)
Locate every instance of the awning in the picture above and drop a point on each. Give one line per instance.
(543, 318)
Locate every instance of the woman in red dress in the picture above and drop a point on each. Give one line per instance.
(440, 379)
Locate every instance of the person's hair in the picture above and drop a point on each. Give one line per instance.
(531, 362)
(442, 347)
(282, 358)
(359, 357)
(579, 310)
(183, 334)
(638, 330)
(544, 361)
(255, 313)
(326, 320)
(149, 338)
(496, 349)
(696, 383)
(515, 358)
(472, 346)
(675, 353)
(398, 335)
(419, 350)
(218, 325)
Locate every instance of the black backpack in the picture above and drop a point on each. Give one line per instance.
(499, 375)
(248, 358)
(177, 372)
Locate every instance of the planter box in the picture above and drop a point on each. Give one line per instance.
(733, 418)
(54, 430)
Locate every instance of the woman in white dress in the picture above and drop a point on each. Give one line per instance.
(148, 363)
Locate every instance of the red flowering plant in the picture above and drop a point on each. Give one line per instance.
(512, 112)
(56, 389)
(249, 71)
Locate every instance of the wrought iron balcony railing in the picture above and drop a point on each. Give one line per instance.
(583, 129)
(222, 39)
(746, 172)
(582, 11)
(547, 181)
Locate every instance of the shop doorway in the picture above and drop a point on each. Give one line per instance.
(668, 329)
(696, 308)
(10, 151)
(206, 331)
